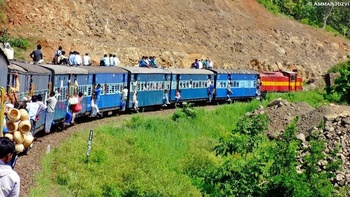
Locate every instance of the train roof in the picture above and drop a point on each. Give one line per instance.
(146, 70)
(62, 69)
(189, 71)
(22, 67)
(234, 71)
(104, 69)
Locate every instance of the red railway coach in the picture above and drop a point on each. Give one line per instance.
(280, 81)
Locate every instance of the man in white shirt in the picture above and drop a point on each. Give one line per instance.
(9, 179)
(78, 59)
(124, 97)
(116, 60)
(50, 111)
(111, 60)
(86, 60)
(200, 64)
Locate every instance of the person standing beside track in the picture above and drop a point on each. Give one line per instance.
(9, 179)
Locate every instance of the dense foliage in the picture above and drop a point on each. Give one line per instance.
(20, 42)
(256, 166)
(339, 92)
(329, 14)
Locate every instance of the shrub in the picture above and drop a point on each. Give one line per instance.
(187, 111)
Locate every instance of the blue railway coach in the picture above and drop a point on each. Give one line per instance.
(66, 81)
(242, 83)
(112, 80)
(192, 83)
(149, 84)
(33, 79)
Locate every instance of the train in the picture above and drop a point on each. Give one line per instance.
(149, 83)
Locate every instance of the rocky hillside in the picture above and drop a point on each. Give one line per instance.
(233, 33)
(329, 123)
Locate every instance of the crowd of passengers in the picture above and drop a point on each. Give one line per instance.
(202, 64)
(75, 59)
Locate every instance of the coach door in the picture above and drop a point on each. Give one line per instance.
(292, 83)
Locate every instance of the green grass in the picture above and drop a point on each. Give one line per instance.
(143, 156)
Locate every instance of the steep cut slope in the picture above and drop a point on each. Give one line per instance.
(233, 33)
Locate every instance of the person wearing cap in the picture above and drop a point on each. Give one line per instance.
(9, 179)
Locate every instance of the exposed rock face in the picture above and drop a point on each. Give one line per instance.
(234, 34)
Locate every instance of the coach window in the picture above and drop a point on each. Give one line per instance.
(292, 78)
(138, 86)
(143, 86)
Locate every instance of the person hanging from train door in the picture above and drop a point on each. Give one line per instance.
(95, 100)
(124, 98)
(75, 105)
(11, 96)
(50, 111)
(33, 109)
(258, 85)
(229, 91)
(210, 90)
(165, 98)
(177, 97)
(135, 102)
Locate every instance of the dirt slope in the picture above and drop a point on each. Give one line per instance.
(233, 33)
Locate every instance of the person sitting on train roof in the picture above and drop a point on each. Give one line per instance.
(111, 60)
(62, 59)
(210, 64)
(86, 60)
(78, 59)
(143, 62)
(200, 64)
(37, 55)
(104, 61)
(153, 62)
(116, 60)
(56, 55)
(71, 58)
(195, 64)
